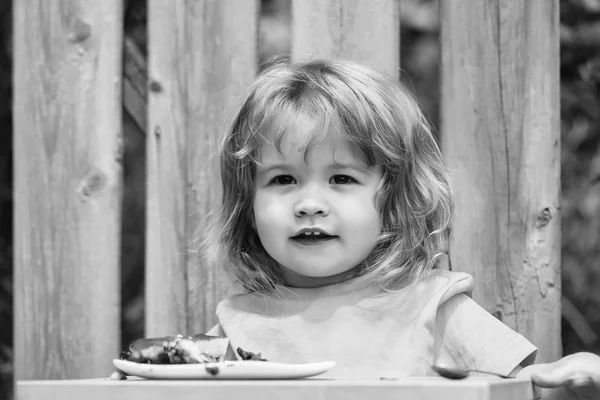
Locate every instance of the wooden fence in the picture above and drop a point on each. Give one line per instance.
(500, 137)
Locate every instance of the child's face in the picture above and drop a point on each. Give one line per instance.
(330, 195)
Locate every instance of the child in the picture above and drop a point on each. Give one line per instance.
(576, 376)
(336, 211)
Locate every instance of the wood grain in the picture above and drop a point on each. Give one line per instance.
(500, 134)
(365, 31)
(201, 56)
(68, 185)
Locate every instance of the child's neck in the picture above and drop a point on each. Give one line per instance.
(296, 280)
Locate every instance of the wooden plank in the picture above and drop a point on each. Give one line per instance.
(316, 389)
(365, 31)
(500, 134)
(68, 185)
(201, 55)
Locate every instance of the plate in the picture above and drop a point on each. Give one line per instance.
(224, 370)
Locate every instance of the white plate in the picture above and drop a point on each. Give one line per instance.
(224, 370)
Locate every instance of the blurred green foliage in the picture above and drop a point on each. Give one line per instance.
(580, 130)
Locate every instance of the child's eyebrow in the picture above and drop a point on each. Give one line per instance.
(350, 165)
(265, 168)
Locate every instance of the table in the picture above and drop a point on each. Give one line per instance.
(474, 388)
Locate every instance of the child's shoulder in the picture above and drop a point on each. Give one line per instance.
(445, 283)
(234, 299)
(431, 290)
(248, 302)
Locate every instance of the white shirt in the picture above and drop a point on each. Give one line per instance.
(371, 333)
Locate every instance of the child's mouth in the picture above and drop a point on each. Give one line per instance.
(311, 240)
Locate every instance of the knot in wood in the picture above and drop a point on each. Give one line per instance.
(81, 31)
(92, 184)
(544, 217)
(155, 86)
(498, 315)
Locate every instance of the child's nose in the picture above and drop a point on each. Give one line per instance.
(310, 206)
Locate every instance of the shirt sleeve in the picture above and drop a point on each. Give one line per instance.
(472, 338)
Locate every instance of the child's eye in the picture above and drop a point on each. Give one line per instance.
(283, 180)
(342, 179)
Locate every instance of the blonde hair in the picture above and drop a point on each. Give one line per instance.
(383, 121)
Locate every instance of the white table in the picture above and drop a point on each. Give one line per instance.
(313, 389)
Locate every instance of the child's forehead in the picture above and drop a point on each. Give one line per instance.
(308, 146)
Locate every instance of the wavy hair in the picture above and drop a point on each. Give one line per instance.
(382, 120)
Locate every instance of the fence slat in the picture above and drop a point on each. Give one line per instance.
(68, 186)
(365, 31)
(500, 120)
(201, 54)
